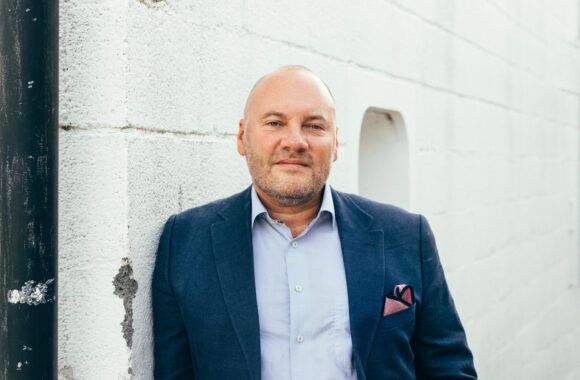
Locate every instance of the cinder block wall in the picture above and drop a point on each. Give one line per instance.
(151, 93)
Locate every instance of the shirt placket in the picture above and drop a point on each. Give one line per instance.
(300, 345)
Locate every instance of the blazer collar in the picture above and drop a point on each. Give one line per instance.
(232, 248)
(364, 263)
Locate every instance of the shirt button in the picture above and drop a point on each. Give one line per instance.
(299, 338)
(298, 288)
(294, 244)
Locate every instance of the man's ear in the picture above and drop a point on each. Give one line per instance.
(241, 131)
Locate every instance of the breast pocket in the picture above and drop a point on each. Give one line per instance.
(391, 356)
(404, 319)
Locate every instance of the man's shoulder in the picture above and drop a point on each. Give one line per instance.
(380, 212)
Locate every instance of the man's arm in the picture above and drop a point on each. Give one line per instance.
(439, 340)
(171, 347)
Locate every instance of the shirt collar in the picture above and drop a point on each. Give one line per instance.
(326, 205)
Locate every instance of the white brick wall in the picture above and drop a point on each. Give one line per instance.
(150, 96)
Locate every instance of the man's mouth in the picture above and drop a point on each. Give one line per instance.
(292, 163)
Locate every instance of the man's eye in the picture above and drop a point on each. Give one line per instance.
(315, 126)
(273, 123)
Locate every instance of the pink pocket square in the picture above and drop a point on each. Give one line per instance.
(401, 298)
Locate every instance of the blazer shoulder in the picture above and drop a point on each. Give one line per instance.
(381, 213)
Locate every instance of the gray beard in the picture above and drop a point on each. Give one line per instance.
(288, 199)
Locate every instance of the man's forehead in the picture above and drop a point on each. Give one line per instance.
(305, 108)
(290, 84)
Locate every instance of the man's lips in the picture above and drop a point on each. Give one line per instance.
(292, 163)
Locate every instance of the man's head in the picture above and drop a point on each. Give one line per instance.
(288, 135)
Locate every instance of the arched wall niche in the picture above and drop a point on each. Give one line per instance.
(383, 171)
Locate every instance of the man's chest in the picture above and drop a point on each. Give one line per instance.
(302, 303)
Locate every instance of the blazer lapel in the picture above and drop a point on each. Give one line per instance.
(232, 247)
(364, 263)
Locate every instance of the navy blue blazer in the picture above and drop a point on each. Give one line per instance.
(205, 313)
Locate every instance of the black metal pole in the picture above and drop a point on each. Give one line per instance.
(28, 188)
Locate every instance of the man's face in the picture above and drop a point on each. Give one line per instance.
(288, 136)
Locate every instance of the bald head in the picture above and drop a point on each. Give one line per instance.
(287, 74)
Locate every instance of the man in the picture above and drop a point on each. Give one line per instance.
(291, 279)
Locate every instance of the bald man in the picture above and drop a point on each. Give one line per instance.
(291, 279)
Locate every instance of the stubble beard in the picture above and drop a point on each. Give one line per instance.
(286, 194)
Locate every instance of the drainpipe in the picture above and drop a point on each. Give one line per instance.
(28, 188)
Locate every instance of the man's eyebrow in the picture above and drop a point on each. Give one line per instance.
(316, 117)
(273, 113)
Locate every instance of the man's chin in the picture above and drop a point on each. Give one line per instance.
(292, 200)
(291, 195)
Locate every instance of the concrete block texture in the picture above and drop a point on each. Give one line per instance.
(93, 206)
(151, 92)
(93, 55)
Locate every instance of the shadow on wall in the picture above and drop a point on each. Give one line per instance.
(384, 157)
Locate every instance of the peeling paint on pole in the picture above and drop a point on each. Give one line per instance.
(32, 294)
(126, 288)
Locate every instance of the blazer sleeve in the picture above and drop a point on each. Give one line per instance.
(439, 342)
(171, 347)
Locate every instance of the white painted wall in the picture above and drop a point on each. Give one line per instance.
(150, 96)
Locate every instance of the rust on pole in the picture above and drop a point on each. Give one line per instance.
(28, 188)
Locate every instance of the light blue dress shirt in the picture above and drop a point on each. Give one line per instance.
(302, 297)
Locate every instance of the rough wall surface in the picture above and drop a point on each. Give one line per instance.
(150, 96)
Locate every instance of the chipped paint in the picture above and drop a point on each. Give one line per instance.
(19, 365)
(151, 3)
(126, 288)
(66, 372)
(32, 294)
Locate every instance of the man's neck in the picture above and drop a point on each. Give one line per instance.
(297, 217)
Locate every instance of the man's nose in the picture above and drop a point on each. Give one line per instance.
(294, 137)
